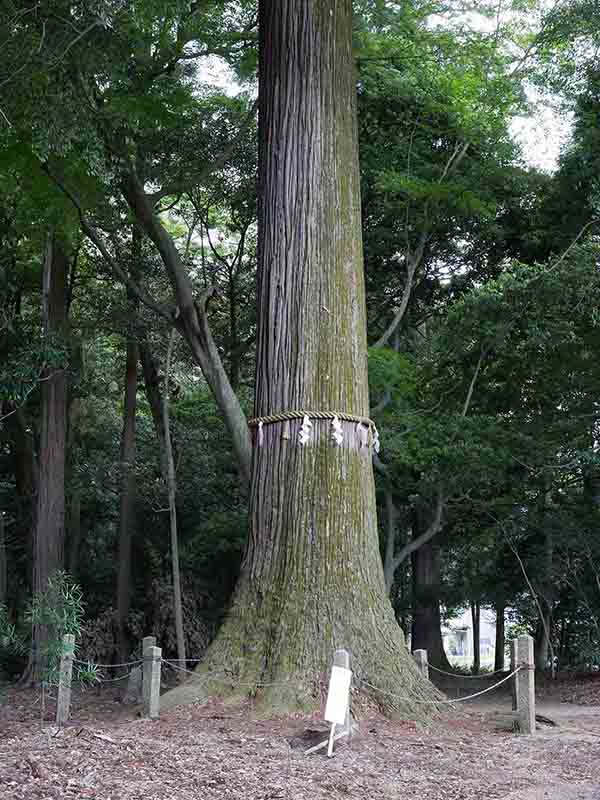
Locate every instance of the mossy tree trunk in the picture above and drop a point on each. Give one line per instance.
(312, 578)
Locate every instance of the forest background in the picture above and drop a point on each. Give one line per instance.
(483, 298)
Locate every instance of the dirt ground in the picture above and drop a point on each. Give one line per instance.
(216, 752)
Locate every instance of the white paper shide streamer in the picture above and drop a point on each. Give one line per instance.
(261, 435)
(304, 434)
(376, 443)
(337, 434)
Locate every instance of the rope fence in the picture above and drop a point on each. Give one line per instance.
(479, 677)
(92, 664)
(149, 679)
(440, 702)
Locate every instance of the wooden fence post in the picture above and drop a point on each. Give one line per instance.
(524, 686)
(420, 657)
(64, 679)
(152, 664)
(147, 643)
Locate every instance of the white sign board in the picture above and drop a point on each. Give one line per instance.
(338, 695)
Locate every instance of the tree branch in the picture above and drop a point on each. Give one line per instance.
(93, 235)
(424, 537)
(469, 396)
(192, 321)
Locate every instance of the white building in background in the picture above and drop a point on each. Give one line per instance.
(457, 635)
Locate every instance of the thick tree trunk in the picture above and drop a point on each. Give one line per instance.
(50, 512)
(500, 636)
(427, 621)
(312, 577)
(127, 501)
(476, 617)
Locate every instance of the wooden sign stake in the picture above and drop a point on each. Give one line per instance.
(330, 745)
(337, 711)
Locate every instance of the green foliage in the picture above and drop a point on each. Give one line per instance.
(10, 641)
(391, 372)
(59, 610)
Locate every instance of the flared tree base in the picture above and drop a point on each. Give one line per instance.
(279, 651)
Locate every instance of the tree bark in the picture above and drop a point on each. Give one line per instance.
(476, 617)
(312, 576)
(500, 636)
(50, 507)
(427, 621)
(127, 500)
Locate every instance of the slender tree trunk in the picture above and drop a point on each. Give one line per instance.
(312, 576)
(50, 512)
(155, 400)
(172, 492)
(74, 532)
(127, 500)
(3, 562)
(389, 567)
(234, 344)
(26, 482)
(427, 621)
(159, 406)
(544, 645)
(543, 642)
(476, 617)
(500, 636)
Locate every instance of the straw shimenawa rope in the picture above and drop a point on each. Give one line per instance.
(285, 416)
